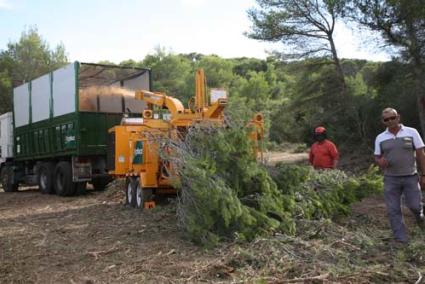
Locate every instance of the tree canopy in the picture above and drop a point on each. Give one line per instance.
(295, 96)
(402, 23)
(305, 27)
(24, 60)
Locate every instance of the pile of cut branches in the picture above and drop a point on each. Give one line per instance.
(350, 250)
(225, 193)
(323, 193)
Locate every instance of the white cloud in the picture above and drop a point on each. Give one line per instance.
(5, 5)
(193, 3)
(360, 44)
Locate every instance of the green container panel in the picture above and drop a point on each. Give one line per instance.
(77, 134)
(93, 132)
(46, 138)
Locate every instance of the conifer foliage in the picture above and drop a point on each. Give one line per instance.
(224, 193)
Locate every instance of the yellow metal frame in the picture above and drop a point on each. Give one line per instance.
(150, 129)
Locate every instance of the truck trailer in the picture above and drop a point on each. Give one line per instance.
(56, 136)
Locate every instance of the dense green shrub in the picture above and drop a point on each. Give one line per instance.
(324, 194)
(225, 193)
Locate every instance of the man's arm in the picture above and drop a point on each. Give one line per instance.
(420, 158)
(335, 164)
(420, 155)
(334, 154)
(381, 161)
(311, 156)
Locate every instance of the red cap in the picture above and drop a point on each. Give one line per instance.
(319, 130)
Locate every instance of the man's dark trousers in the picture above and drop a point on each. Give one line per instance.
(394, 188)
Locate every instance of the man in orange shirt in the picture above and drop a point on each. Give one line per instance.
(323, 153)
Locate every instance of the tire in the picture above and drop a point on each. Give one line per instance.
(7, 179)
(3, 172)
(80, 188)
(142, 195)
(99, 184)
(46, 173)
(130, 192)
(63, 180)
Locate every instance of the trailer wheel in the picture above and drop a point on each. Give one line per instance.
(130, 192)
(45, 178)
(80, 188)
(7, 179)
(142, 195)
(100, 184)
(63, 180)
(2, 173)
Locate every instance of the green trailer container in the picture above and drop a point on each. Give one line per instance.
(61, 123)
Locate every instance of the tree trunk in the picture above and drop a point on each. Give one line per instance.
(338, 66)
(418, 70)
(420, 95)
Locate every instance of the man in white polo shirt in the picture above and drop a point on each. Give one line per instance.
(396, 151)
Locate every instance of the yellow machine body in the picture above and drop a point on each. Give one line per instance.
(136, 142)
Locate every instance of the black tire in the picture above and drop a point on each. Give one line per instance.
(3, 172)
(63, 180)
(130, 192)
(142, 195)
(46, 173)
(7, 179)
(99, 184)
(80, 188)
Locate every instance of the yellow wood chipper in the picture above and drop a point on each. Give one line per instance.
(136, 146)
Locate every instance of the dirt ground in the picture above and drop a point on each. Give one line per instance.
(95, 238)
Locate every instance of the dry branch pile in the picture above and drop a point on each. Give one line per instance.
(354, 251)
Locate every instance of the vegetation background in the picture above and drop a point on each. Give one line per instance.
(297, 88)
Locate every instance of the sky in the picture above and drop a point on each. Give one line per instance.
(95, 30)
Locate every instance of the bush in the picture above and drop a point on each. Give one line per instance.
(225, 193)
(324, 194)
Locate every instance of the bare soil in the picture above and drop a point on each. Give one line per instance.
(93, 238)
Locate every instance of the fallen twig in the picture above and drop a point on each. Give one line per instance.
(296, 280)
(420, 278)
(347, 244)
(96, 254)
